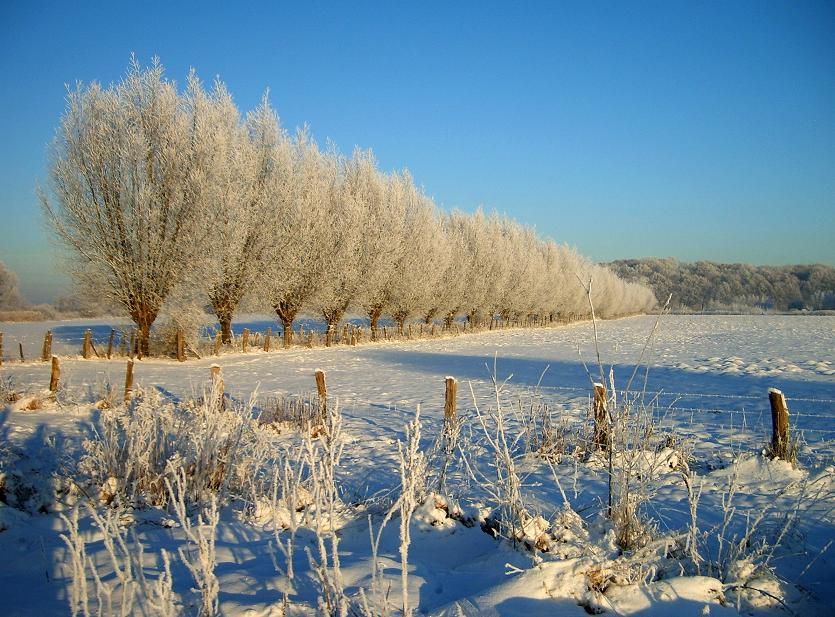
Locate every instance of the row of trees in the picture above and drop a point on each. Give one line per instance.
(705, 285)
(155, 191)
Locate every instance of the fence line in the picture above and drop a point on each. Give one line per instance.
(656, 393)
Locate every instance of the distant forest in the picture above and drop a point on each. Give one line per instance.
(708, 286)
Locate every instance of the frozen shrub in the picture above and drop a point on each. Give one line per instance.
(219, 448)
(291, 412)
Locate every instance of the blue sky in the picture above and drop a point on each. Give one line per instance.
(694, 130)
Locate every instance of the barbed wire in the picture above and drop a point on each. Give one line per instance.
(657, 393)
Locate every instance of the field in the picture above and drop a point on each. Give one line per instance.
(703, 521)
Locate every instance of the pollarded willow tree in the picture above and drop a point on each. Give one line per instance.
(235, 163)
(121, 192)
(385, 200)
(422, 257)
(297, 225)
(347, 239)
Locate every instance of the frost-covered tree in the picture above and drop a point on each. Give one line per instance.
(384, 201)
(121, 193)
(297, 224)
(480, 266)
(346, 238)
(422, 257)
(233, 162)
(10, 297)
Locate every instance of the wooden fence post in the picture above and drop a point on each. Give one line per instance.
(267, 336)
(46, 351)
(245, 340)
(129, 381)
(20, 349)
(217, 381)
(322, 390)
(450, 399)
(779, 425)
(110, 343)
(86, 348)
(54, 375)
(181, 346)
(601, 420)
(1, 349)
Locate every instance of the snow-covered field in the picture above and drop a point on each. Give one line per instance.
(703, 379)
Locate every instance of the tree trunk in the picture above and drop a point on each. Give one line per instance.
(144, 340)
(143, 317)
(224, 317)
(287, 314)
(448, 319)
(471, 318)
(374, 316)
(429, 316)
(287, 335)
(400, 318)
(332, 318)
(225, 329)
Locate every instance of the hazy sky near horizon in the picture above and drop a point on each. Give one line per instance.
(627, 129)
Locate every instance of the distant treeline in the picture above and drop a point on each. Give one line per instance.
(709, 286)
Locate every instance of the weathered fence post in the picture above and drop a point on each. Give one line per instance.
(54, 375)
(245, 340)
(129, 381)
(20, 349)
(601, 420)
(46, 351)
(110, 343)
(181, 346)
(450, 399)
(267, 336)
(322, 390)
(86, 346)
(217, 382)
(779, 425)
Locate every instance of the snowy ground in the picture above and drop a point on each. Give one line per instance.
(707, 384)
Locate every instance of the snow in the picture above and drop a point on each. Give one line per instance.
(708, 381)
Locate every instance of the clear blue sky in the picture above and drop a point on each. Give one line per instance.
(694, 130)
